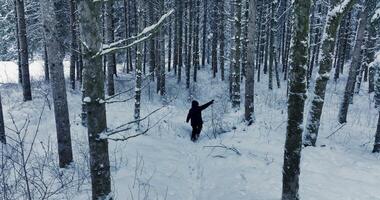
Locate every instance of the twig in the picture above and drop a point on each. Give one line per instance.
(333, 133)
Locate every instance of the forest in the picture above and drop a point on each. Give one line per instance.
(189, 99)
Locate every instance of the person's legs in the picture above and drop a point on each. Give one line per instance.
(193, 134)
(199, 129)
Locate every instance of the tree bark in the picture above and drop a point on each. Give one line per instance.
(93, 85)
(73, 44)
(54, 43)
(2, 129)
(24, 58)
(355, 64)
(237, 54)
(110, 57)
(296, 100)
(250, 68)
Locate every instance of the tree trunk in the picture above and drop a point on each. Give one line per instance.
(24, 58)
(215, 39)
(110, 57)
(296, 101)
(54, 43)
(179, 36)
(355, 64)
(93, 79)
(46, 62)
(221, 39)
(204, 34)
(73, 44)
(196, 40)
(328, 44)
(376, 68)
(250, 68)
(2, 129)
(18, 46)
(237, 54)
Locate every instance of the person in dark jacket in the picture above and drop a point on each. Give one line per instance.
(195, 115)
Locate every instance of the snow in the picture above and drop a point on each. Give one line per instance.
(376, 16)
(165, 164)
(87, 99)
(9, 71)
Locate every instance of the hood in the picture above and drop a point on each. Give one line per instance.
(194, 104)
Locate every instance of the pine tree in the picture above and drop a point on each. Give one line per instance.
(296, 100)
(93, 80)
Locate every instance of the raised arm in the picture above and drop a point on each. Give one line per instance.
(206, 105)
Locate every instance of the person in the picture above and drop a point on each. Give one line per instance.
(195, 115)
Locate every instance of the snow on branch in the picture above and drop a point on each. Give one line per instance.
(376, 16)
(145, 34)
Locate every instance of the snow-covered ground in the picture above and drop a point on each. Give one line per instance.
(165, 164)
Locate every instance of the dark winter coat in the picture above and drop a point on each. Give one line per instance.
(195, 113)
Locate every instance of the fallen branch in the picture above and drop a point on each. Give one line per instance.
(225, 147)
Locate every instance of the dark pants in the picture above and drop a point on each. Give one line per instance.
(196, 132)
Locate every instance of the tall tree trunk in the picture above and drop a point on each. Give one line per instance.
(18, 46)
(73, 43)
(376, 68)
(296, 100)
(162, 52)
(215, 39)
(221, 39)
(237, 54)
(2, 129)
(46, 62)
(54, 43)
(23, 42)
(189, 37)
(196, 40)
(250, 68)
(355, 63)
(179, 36)
(93, 80)
(328, 44)
(272, 44)
(204, 34)
(110, 57)
(244, 39)
(138, 80)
